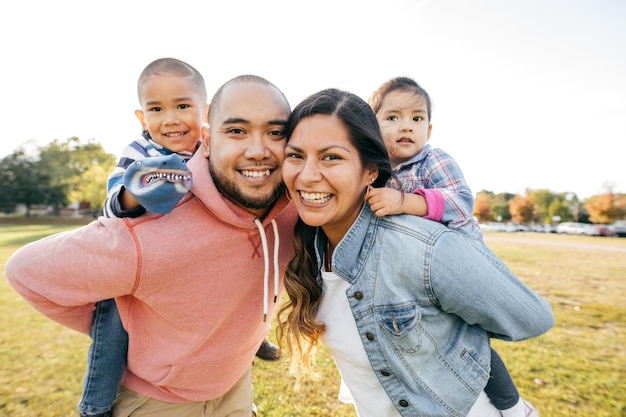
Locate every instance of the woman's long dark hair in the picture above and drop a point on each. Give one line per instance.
(296, 318)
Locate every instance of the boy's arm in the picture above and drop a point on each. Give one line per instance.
(120, 203)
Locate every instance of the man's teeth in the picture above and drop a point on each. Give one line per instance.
(173, 134)
(315, 197)
(256, 174)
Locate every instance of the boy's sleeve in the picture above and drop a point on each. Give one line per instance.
(115, 182)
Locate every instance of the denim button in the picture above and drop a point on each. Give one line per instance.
(385, 372)
(403, 403)
(358, 295)
(369, 336)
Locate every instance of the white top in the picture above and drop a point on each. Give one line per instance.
(361, 387)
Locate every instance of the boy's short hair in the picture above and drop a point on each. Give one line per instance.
(173, 66)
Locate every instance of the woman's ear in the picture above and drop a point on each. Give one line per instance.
(372, 174)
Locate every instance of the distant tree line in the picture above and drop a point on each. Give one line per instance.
(68, 171)
(55, 175)
(548, 207)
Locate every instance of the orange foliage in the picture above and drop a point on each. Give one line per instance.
(522, 209)
(606, 208)
(482, 208)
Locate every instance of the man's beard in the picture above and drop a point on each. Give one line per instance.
(232, 192)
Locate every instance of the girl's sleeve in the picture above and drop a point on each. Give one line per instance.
(446, 176)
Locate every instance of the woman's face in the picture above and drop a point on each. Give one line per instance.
(324, 175)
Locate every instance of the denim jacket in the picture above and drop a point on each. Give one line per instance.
(426, 300)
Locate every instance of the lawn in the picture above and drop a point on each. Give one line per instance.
(578, 368)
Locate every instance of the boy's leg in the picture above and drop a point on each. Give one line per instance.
(268, 351)
(105, 362)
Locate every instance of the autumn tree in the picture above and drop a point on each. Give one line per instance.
(522, 208)
(482, 207)
(606, 208)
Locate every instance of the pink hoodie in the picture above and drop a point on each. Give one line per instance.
(189, 287)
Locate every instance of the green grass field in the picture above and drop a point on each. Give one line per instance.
(577, 369)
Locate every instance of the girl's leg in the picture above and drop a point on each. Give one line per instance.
(500, 388)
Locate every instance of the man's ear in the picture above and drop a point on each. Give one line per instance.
(206, 113)
(206, 140)
(430, 128)
(142, 118)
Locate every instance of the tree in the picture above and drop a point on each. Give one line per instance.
(23, 181)
(92, 186)
(522, 208)
(606, 208)
(500, 206)
(73, 164)
(482, 207)
(55, 174)
(543, 198)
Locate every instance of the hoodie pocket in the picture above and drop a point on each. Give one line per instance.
(400, 326)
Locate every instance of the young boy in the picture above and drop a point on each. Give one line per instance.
(173, 100)
(431, 185)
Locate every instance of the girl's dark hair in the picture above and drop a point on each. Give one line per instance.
(403, 84)
(299, 327)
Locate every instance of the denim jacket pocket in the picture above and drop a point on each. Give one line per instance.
(400, 325)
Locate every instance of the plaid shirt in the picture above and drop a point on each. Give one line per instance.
(433, 168)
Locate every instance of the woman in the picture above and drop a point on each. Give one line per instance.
(405, 304)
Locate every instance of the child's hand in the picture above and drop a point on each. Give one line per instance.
(158, 183)
(385, 201)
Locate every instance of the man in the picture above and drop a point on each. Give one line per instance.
(192, 286)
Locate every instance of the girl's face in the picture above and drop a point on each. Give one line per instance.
(324, 175)
(404, 124)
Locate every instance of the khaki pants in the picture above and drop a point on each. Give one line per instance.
(235, 403)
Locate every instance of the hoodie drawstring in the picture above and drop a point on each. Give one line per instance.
(266, 274)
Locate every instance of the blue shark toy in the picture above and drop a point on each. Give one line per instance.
(158, 183)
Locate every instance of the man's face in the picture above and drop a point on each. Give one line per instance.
(246, 145)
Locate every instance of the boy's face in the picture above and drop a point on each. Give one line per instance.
(404, 124)
(172, 112)
(246, 144)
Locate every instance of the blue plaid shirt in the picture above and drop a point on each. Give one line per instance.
(433, 168)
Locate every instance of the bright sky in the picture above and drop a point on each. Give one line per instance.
(527, 93)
